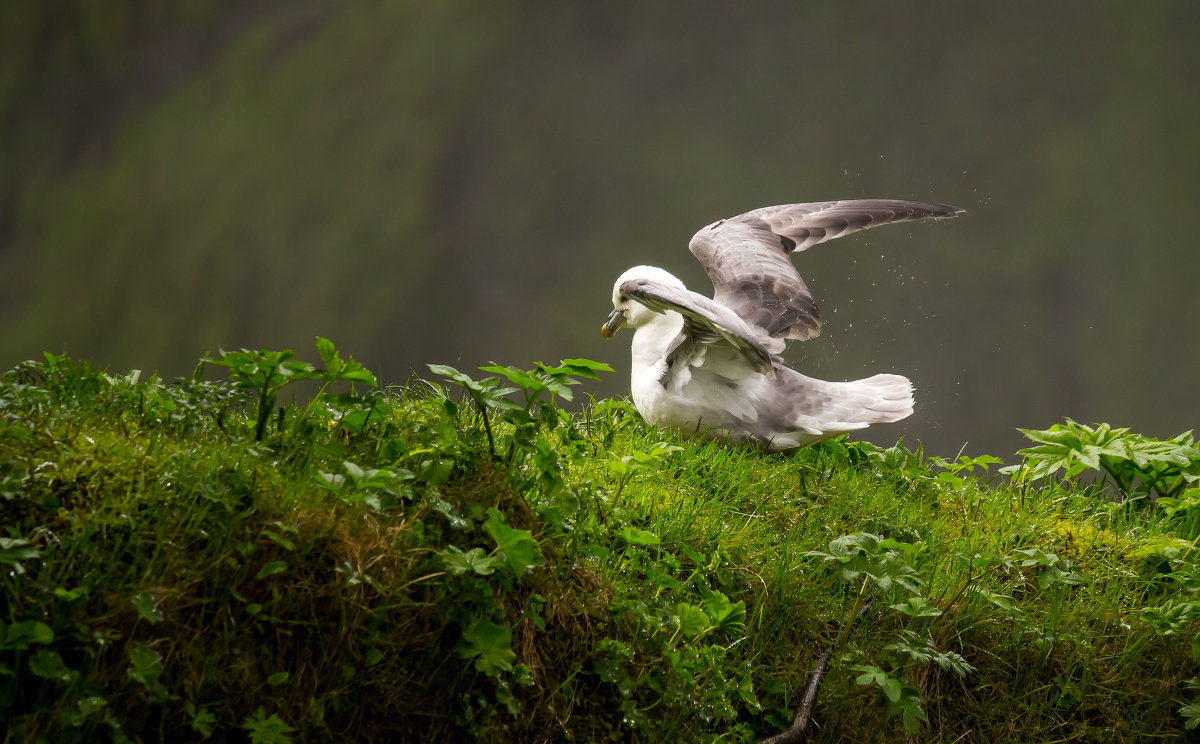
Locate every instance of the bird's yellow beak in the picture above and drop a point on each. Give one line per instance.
(615, 320)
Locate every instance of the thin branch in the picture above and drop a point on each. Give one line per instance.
(799, 730)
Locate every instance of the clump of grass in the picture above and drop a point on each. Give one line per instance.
(192, 560)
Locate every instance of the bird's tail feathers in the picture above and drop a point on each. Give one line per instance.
(854, 405)
(886, 397)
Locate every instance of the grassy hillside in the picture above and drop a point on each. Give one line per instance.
(231, 560)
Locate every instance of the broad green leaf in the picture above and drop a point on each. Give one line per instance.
(147, 607)
(1191, 715)
(266, 729)
(47, 664)
(1003, 601)
(90, 705)
(917, 607)
(146, 664)
(871, 674)
(912, 714)
(22, 635)
(338, 369)
(585, 367)
(620, 466)
(891, 688)
(203, 721)
(520, 550)
(728, 617)
(692, 620)
(475, 560)
(490, 645)
(635, 536)
(526, 381)
(328, 352)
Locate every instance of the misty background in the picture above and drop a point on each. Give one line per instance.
(461, 183)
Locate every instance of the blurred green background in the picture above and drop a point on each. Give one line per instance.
(462, 182)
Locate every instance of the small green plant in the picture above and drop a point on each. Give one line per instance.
(266, 729)
(1191, 712)
(625, 467)
(1052, 569)
(1136, 464)
(266, 373)
(954, 471)
(871, 560)
(901, 700)
(491, 394)
(379, 488)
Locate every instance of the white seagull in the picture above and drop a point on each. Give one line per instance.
(711, 367)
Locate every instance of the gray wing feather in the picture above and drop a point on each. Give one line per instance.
(747, 257)
(704, 322)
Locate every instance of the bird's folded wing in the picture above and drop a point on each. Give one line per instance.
(705, 322)
(747, 257)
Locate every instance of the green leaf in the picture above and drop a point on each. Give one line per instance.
(912, 714)
(692, 620)
(278, 678)
(271, 568)
(146, 664)
(13, 550)
(525, 380)
(635, 536)
(871, 674)
(266, 729)
(89, 705)
(47, 664)
(327, 351)
(490, 645)
(520, 550)
(337, 369)
(891, 688)
(917, 607)
(1191, 715)
(147, 607)
(728, 617)
(1003, 601)
(202, 720)
(22, 635)
(475, 560)
(585, 367)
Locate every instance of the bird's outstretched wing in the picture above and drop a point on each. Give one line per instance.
(706, 324)
(747, 257)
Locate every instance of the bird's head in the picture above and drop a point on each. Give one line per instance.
(628, 311)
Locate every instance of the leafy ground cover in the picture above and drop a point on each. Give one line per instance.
(466, 559)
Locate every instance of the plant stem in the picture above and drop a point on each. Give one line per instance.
(799, 729)
(487, 427)
(265, 403)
